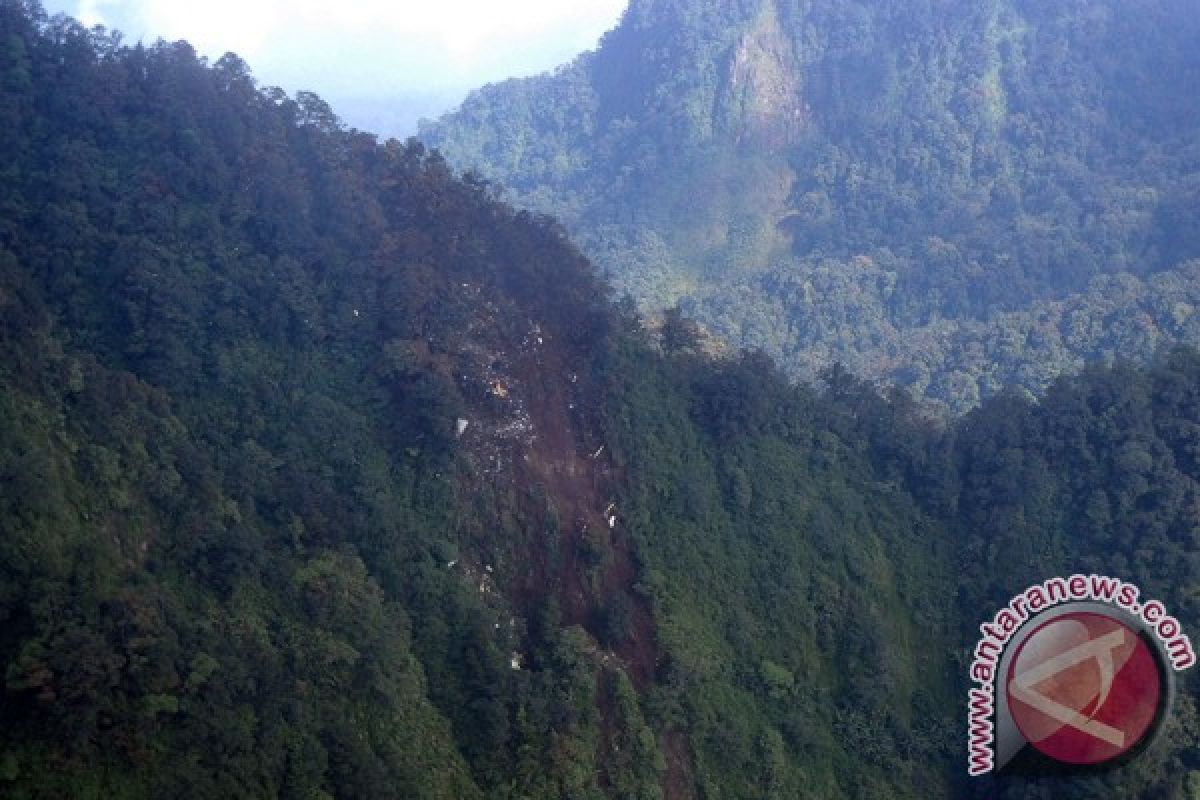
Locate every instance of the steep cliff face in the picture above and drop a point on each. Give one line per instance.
(762, 85)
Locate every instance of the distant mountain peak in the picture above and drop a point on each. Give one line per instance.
(781, 168)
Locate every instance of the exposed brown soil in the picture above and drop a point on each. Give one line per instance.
(535, 436)
(561, 402)
(678, 782)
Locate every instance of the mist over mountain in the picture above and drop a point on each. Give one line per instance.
(326, 473)
(950, 196)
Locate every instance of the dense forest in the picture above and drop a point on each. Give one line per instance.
(950, 196)
(325, 473)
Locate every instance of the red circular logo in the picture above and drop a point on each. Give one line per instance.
(1084, 688)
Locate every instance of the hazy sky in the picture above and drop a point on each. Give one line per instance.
(380, 63)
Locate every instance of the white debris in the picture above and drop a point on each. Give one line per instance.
(451, 564)
(488, 567)
(356, 312)
(515, 661)
(612, 521)
(598, 452)
(460, 426)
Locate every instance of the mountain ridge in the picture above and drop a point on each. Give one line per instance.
(326, 473)
(983, 160)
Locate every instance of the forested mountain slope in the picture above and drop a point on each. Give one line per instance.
(915, 189)
(249, 549)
